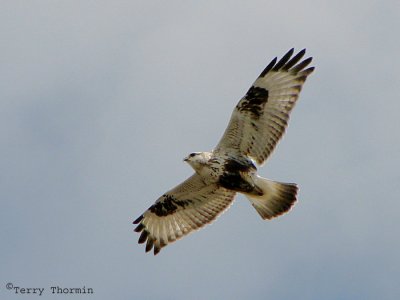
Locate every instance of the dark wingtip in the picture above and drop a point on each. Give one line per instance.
(289, 53)
(149, 244)
(294, 60)
(143, 237)
(288, 63)
(283, 60)
(139, 228)
(302, 65)
(138, 220)
(269, 67)
(308, 71)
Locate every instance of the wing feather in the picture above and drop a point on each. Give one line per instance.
(186, 208)
(260, 118)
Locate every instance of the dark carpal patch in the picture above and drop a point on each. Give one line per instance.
(168, 205)
(254, 101)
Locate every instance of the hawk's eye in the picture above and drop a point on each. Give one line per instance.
(192, 154)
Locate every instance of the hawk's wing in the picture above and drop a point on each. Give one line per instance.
(185, 208)
(260, 118)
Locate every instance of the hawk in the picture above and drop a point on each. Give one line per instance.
(257, 124)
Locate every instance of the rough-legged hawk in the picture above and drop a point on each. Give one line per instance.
(256, 125)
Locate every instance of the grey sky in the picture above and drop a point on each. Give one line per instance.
(101, 100)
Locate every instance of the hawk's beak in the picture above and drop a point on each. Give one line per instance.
(185, 159)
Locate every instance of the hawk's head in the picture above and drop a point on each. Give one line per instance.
(197, 160)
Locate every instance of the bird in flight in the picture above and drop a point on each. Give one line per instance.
(257, 124)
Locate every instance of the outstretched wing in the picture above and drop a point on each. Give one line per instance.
(187, 207)
(260, 118)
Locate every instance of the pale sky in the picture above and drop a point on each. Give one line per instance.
(101, 101)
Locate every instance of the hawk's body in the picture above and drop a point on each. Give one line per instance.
(257, 123)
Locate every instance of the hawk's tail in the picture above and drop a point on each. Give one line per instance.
(276, 200)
